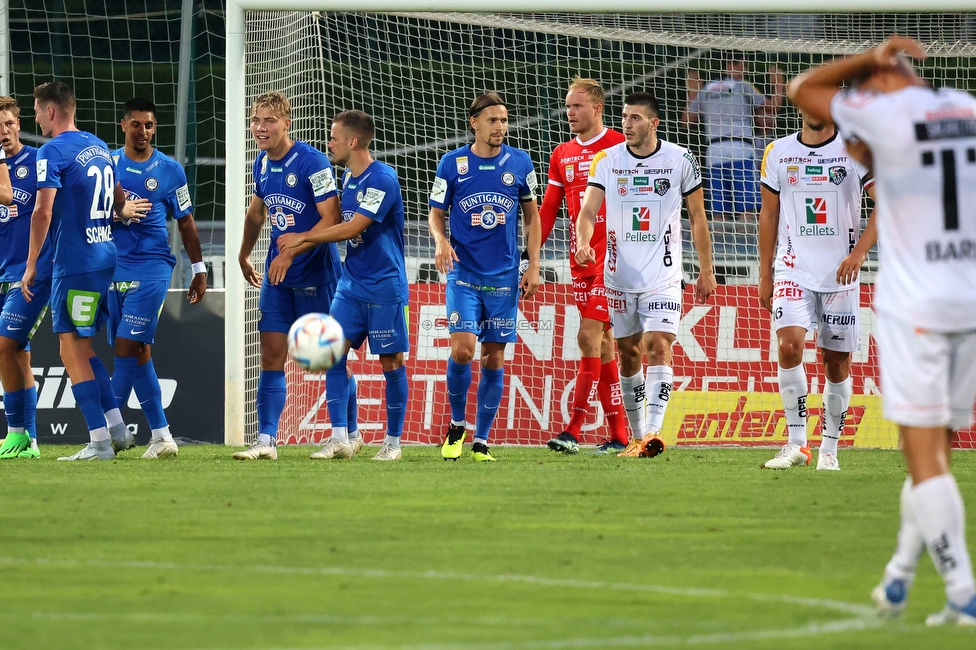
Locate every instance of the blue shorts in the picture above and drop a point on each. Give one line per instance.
(79, 302)
(134, 309)
(733, 188)
(489, 312)
(385, 325)
(281, 306)
(19, 318)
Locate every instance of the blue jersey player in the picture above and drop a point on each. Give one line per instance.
(156, 185)
(294, 188)
(372, 298)
(19, 318)
(482, 186)
(76, 195)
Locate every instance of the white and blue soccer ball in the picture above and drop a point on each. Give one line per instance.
(316, 342)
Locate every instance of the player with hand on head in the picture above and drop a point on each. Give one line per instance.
(569, 169)
(643, 181)
(156, 186)
(294, 187)
(482, 186)
(920, 143)
(19, 319)
(76, 196)
(809, 258)
(372, 298)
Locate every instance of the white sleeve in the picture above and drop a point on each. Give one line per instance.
(769, 170)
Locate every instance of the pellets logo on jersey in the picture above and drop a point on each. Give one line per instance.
(570, 173)
(280, 220)
(816, 209)
(642, 224)
(661, 186)
(487, 218)
(622, 187)
(837, 174)
(792, 175)
(462, 165)
(21, 172)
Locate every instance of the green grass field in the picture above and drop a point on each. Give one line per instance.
(538, 550)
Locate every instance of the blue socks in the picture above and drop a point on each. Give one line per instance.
(104, 382)
(352, 408)
(13, 406)
(337, 394)
(490, 389)
(396, 400)
(270, 401)
(30, 411)
(150, 396)
(458, 383)
(122, 378)
(87, 396)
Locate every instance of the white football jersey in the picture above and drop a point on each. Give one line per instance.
(923, 145)
(643, 203)
(819, 192)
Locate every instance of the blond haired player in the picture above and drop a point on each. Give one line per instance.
(644, 181)
(922, 146)
(569, 170)
(809, 257)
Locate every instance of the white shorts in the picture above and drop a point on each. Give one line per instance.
(836, 315)
(928, 379)
(648, 311)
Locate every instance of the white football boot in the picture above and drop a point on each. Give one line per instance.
(256, 451)
(828, 461)
(93, 451)
(334, 449)
(161, 449)
(388, 452)
(790, 455)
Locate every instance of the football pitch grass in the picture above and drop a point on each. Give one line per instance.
(693, 548)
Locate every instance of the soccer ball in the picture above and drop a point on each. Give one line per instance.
(316, 342)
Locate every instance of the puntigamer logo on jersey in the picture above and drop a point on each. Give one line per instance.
(487, 209)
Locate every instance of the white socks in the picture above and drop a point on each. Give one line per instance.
(836, 399)
(941, 517)
(163, 434)
(341, 434)
(910, 543)
(633, 394)
(793, 390)
(658, 385)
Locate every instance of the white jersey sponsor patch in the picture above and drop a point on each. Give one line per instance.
(322, 182)
(373, 200)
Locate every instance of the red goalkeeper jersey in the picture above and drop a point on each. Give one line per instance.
(569, 169)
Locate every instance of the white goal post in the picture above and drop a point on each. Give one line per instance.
(625, 51)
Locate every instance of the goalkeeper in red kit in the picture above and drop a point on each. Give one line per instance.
(568, 172)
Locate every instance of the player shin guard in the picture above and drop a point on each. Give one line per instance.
(458, 383)
(836, 399)
(793, 390)
(612, 400)
(30, 411)
(633, 394)
(13, 406)
(658, 382)
(941, 518)
(396, 400)
(88, 399)
(106, 395)
(910, 543)
(272, 392)
(491, 385)
(122, 378)
(337, 397)
(150, 396)
(586, 379)
(352, 408)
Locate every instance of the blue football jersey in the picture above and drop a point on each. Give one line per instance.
(143, 246)
(291, 188)
(374, 269)
(80, 167)
(482, 197)
(15, 221)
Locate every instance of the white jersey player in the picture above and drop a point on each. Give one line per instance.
(811, 219)
(643, 181)
(922, 145)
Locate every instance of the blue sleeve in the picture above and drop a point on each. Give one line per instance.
(527, 179)
(255, 176)
(318, 177)
(442, 193)
(379, 198)
(178, 197)
(49, 167)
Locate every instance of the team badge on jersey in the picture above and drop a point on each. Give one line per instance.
(488, 218)
(622, 186)
(508, 178)
(291, 180)
(570, 173)
(152, 184)
(462, 164)
(280, 220)
(21, 172)
(792, 175)
(661, 186)
(8, 212)
(837, 174)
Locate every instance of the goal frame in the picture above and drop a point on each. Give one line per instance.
(236, 117)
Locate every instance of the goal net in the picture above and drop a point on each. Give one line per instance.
(415, 74)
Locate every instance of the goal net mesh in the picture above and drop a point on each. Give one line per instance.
(415, 74)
